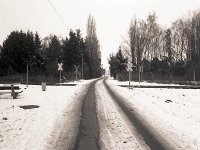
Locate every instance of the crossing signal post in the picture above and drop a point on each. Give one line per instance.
(76, 70)
(82, 67)
(27, 74)
(129, 69)
(60, 69)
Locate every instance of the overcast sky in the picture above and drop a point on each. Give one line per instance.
(112, 17)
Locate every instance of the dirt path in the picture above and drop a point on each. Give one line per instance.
(87, 138)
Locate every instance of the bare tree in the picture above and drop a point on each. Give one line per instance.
(144, 38)
(179, 40)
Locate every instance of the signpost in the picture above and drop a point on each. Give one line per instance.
(82, 67)
(60, 69)
(129, 69)
(76, 71)
(27, 74)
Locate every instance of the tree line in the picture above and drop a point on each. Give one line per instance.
(160, 53)
(42, 55)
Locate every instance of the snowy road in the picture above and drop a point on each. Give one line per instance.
(87, 137)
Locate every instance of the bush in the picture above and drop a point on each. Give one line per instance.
(119, 77)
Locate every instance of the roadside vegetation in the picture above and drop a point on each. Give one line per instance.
(159, 53)
(25, 48)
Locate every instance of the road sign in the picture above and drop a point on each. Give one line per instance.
(76, 70)
(60, 67)
(129, 69)
(129, 66)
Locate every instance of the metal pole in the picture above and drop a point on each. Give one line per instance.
(27, 74)
(60, 76)
(76, 75)
(194, 76)
(129, 79)
(139, 74)
(82, 68)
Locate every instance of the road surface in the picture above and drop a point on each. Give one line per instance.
(87, 138)
(103, 120)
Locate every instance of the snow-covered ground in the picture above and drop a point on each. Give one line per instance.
(174, 113)
(32, 128)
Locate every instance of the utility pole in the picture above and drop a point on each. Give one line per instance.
(60, 76)
(194, 75)
(27, 74)
(82, 67)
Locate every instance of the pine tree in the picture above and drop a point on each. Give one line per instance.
(54, 51)
(37, 43)
(117, 63)
(21, 48)
(112, 63)
(18, 49)
(38, 53)
(71, 51)
(120, 61)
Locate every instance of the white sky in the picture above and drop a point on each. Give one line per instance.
(112, 17)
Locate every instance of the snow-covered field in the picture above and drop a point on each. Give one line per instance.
(174, 113)
(30, 128)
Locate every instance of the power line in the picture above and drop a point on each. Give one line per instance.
(59, 16)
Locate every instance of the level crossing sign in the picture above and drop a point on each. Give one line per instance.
(60, 69)
(60, 66)
(129, 66)
(76, 70)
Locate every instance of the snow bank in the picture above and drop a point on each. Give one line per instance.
(143, 83)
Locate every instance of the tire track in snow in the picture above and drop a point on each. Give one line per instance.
(116, 130)
(150, 139)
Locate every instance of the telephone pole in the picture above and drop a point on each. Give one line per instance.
(82, 67)
(27, 74)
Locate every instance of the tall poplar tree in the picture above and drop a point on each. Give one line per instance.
(93, 48)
